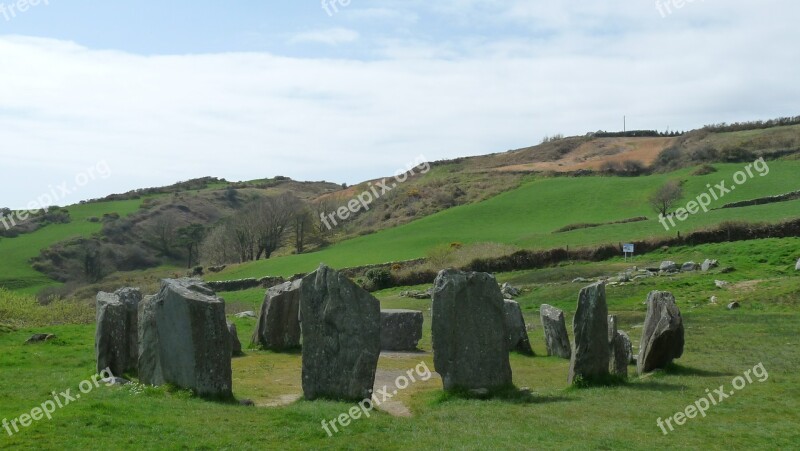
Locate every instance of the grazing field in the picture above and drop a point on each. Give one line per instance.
(720, 345)
(16, 253)
(528, 216)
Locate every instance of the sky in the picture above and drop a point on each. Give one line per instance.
(99, 98)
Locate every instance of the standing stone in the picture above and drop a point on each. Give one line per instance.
(470, 342)
(590, 329)
(401, 330)
(618, 348)
(341, 335)
(555, 332)
(112, 337)
(278, 326)
(515, 326)
(662, 335)
(131, 297)
(236, 345)
(628, 345)
(185, 339)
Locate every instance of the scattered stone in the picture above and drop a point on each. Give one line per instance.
(515, 326)
(470, 342)
(709, 264)
(401, 330)
(116, 332)
(668, 266)
(662, 336)
(247, 314)
(236, 345)
(555, 332)
(689, 267)
(416, 294)
(278, 326)
(619, 349)
(341, 337)
(185, 339)
(733, 305)
(581, 280)
(217, 268)
(109, 381)
(714, 299)
(39, 338)
(509, 292)
(590, 329)
(797, 266)
(721, 283)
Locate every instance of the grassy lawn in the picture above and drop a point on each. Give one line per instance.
(529, 215)
(720, 345)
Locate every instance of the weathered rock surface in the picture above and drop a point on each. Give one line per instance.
(116, 333)
(721, 283)
(619, 349)
(401, 330)
(689, 267)
(668, 266)
(509, 291)
(470, 342)
(39, 338)
(555, 332)
(709, 264)
(341, 336)
(797, 266)
(733, 305)
(236, 345)
(278, 326)
(184, 339)
(662, 335)
(247, 314)
(590, 329)
(515, 326)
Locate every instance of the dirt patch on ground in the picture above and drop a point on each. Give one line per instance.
(591, 155)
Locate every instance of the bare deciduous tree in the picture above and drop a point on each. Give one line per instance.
(665, 197)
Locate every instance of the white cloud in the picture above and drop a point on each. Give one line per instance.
(330, 36)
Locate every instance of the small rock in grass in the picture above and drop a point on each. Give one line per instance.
(733, 305)
(721, 283)
(40, 338)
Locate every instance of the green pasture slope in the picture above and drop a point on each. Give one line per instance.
(15, 253)
(528, 216)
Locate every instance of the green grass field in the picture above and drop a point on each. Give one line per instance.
(528, 216)
(720, 345)
(17, 274)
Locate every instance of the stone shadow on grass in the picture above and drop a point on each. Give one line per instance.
(680, 370)
(511, 395)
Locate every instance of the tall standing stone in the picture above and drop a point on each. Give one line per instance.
(515, 326)
(186, 341)
(470, 341)
(341, 332)
(555, 331)
(278, 326)
(590, 328)
(236, 345)
(662, 335)
(111, 340)
(619, 357)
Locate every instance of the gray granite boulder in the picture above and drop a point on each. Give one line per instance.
(509, 291)
(619, 348)
(401, 330)
(341, 327)
(236, 345)
(278, 326)
(185, 339)
(470, 341)
(797, 266)
(515, 326)
(555, 332)
(589, 361)
(662, 335)
(708, 265)
(689, 267)
(668, 266)
(116, 333)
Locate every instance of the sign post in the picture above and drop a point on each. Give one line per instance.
(627, 249)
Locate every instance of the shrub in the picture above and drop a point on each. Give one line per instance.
(379, 278)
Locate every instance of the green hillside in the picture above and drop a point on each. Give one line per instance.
(528, 216)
